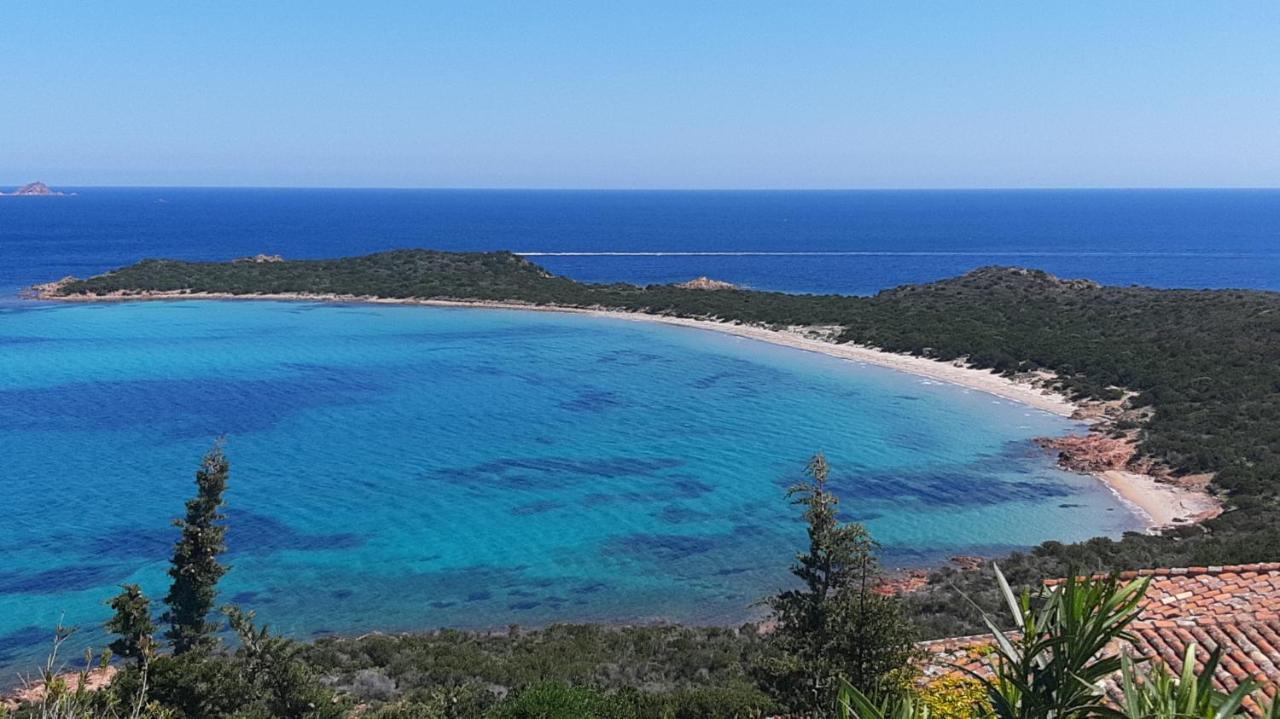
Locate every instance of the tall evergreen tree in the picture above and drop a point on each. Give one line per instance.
(195, 567)
(834, 627)
(131, 624)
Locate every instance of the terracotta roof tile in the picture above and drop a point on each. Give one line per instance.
(1236, 608)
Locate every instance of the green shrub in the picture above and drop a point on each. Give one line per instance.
(560, 701)
(728, 702)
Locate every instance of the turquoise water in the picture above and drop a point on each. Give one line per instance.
(402, 468)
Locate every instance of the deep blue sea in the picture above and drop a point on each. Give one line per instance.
(402, 468)
(860, 242)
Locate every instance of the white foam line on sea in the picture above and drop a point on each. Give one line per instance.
(887, 253)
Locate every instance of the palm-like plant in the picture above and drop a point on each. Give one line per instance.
(1158, 694)
(1053, 668)
(853, 704)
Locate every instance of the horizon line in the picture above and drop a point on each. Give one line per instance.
(479, 188)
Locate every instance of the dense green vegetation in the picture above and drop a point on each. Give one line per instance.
(1206, 362)
(656, 671)
(406, 273)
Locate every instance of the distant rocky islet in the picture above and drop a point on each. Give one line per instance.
(35, 189)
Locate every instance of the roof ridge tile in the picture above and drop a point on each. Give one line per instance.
(1178, 572)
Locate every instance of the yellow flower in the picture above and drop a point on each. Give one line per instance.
(955, 696)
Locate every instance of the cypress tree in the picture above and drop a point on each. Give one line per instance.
(834, 627)
(131, 624)
(195, 568)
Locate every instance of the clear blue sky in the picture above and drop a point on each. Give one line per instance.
(618, 94)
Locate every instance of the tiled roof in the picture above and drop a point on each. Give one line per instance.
(1207, 594)
(1236, 608)
(957, 655)
(1250, 649)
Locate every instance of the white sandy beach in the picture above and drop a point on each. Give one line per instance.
(1159, 504)
(1162, 504)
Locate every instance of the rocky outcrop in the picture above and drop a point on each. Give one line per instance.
(968, 562)
(706, 283)
(909, 581)
(257, 259)
(48, 290)
(1090, 453)
(94, 679)
(912, 580)
(1027, 277)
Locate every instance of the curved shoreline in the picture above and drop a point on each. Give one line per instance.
(1158, 504)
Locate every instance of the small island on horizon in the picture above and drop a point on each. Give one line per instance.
(36, 189)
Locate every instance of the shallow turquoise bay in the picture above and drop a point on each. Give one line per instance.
(403, 468)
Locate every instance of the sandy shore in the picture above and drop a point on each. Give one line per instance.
(1160, 504)
(957, 374)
